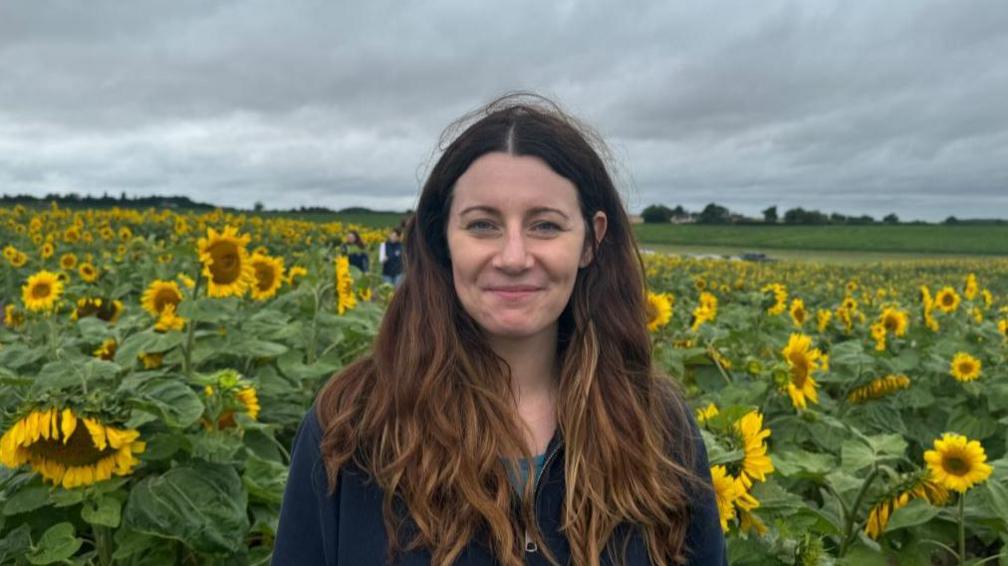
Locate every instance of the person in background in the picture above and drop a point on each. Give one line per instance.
(390, 257)
(356, 251)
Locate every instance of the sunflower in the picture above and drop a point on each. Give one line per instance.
(878, 333)
(965, 367)
(160, 294)
(103, 309)
(705, 311)
(47, 251)
(69, 449)
(88, 272)
(71, 235)
(704, 414)
(9, 252)
(802, 360)
(894, 320)
(659, 310)
(823, 317)
(928, 305)
(268, 275)
(971, 288)
(169, 320)
(12, 318)
(947, 299)
(68, 261)
(247, 400)
(296, 271)
(725, 494)
(798, 312)
(107, 349)
(152, 360)
(41, 291)
(225, 262)
(1003, 327)
(957, 463)
(779, 298)
(344, 286)
(756, 464)
(186, 280)
(878, 388)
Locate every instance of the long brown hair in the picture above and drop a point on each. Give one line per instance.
(429, 414)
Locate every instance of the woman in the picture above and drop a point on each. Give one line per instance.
(509, 413)
(357, 255)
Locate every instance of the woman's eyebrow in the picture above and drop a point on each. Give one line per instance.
(532, 212)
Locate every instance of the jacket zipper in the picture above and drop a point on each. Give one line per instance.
(530, 545)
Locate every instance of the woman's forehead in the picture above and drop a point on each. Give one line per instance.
(503, 182)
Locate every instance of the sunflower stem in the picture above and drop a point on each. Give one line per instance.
(102, 545)
(191, 331)
(852, 514)
(962, 528)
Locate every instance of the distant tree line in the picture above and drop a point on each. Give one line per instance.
(74, 200)
(714, 213)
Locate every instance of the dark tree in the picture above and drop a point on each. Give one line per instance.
(714, 214)
(770, 215)
(656, 214)
(891, 218)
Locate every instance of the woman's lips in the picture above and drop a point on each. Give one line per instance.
(513, 292)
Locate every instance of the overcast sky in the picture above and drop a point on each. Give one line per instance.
(854, 107)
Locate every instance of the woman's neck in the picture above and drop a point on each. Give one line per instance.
(534, 376)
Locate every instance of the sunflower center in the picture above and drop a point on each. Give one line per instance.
(41, 290)
(955, 465)
(78, 451)
(799, 368)
(891, 323)
(226, 263)
(166, 297)
(947, 300)
(966, 368)
(265, 275)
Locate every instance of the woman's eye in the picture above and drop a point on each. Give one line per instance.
(479, 226)
(548, 227)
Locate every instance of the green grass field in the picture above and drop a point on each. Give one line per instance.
(982, 240)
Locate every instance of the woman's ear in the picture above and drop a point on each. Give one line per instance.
(599, 223)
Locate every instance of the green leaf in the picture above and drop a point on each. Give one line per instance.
(105, 511)
(93, 329)
(58, 375)
(176, 404)
(856, 455)
(255, 348)
(27, 499)
(17, 356)
(265, 479)
(973, 427)
(891, 445)
(207, 309)
(17, 541)
(802, 464)
(200, 504)
(917, 512)
(998, 497)
(57, 544)
(133, 346)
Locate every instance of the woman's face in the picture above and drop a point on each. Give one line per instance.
(516, 239)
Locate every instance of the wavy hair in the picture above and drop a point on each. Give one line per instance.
(430, 412)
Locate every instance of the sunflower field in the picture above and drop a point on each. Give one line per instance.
(155, 365)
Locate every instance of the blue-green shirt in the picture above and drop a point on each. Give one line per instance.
(518, 482)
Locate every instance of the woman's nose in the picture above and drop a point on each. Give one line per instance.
(513, 254)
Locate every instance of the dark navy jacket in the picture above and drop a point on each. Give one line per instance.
(347, 528)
